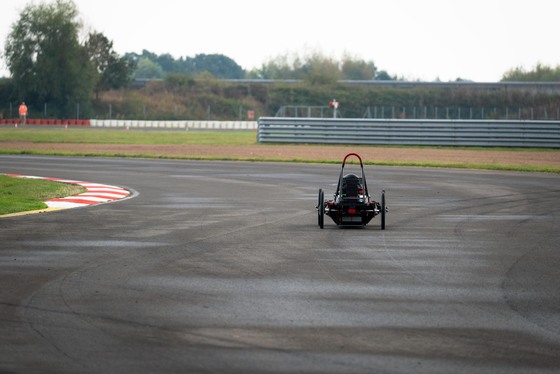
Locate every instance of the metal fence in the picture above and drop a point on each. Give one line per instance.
(544, 113)
(484, 133)
(466, 113)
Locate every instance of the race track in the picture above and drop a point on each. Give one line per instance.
(221, 267)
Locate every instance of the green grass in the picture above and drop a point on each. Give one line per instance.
(120, 136)
(218, 138)
(101, 136)
(22, 194)
(454, 165)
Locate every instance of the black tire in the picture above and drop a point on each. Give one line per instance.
(383, 210)
(321, 209)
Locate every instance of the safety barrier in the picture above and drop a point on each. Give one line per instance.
(137, 124)
(183, 125)
(489, 133)
(48, 122)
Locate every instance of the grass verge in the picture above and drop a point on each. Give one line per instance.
(101, 136)
(218, 138)
(465, 165)
(23, 194)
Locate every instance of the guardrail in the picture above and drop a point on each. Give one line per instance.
(483, 133)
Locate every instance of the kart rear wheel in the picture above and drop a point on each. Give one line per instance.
(383, 209)
(321, 208)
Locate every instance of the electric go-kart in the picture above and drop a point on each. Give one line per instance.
(352, 205)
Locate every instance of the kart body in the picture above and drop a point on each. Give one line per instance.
(352, 205)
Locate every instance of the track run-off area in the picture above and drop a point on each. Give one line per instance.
(221, 267)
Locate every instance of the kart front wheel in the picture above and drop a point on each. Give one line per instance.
(321, 208)
(383, 209)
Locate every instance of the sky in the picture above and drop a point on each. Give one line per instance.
(424, 40)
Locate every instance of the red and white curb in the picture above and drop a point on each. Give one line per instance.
(96, 193)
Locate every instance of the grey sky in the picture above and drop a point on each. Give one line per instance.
(428, 39)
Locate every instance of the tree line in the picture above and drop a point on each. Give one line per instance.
(48, 64)
(60, 76)
(179, 97)
(540, 73)
(313, 67)
(152, 66)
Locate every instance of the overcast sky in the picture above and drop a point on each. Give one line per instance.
(415, 39)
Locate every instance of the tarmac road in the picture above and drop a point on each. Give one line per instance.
(221, 267)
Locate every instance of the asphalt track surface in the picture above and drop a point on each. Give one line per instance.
(221, 267)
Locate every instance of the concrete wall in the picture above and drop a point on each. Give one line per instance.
(174, 125)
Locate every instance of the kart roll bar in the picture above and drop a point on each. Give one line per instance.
(342, 173)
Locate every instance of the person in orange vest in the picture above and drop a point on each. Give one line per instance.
(22, 113)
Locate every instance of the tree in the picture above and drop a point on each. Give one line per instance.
(147, 69)
(281, 67)
(316, 68)
(541, 73)
(150, 65)
(167, 63)
(320, 70)
(354, 69)
(382, 75)
(46, 60)
(113, 71)
(218, 65)
(6, 93)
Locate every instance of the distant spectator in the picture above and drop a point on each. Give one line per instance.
(23, 113)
